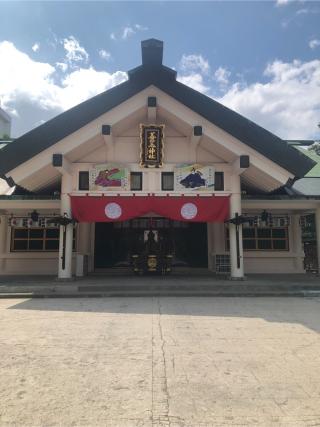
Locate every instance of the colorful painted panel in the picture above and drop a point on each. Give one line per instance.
(194, 177)
(109, 176)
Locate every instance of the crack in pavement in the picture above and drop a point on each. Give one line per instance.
(160, 394)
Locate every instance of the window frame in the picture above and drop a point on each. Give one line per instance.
(140, 174)
(163, 174)
(83, 173)
(258, 239)
(220, 174)
(44, 239)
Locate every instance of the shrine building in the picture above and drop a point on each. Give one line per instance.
(215, 190)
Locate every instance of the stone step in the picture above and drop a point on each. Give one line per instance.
(141, 294)
(185, 290)
(163, 288)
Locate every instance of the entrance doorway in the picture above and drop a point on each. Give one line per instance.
(115, 242)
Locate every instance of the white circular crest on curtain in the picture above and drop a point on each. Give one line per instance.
(113, 210)
(189, 211)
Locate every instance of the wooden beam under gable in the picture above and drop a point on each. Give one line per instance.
(109, 142)
(240, 165)
(152, 109)
(62, 164)
(195, 138)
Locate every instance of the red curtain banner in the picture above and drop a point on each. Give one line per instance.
(122, 208)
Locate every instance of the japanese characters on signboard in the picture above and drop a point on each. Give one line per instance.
(151, 153)
(194, 177)
(109, 176)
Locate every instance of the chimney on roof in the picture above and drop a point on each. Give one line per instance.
(152, 52)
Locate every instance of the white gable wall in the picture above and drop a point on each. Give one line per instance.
(215, 141)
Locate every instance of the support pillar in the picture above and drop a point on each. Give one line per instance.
(84, 241)
(317, 221)
(297, 243)
(66, 238)
(3, 242)
(210, 238)
(236, 262)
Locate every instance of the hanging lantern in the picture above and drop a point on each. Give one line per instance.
(13, 222)
(34, 216)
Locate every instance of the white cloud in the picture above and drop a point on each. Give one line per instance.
(141, 27)
(282, 2)
(194, 67)
(54, 40)
(303, 11)
(29, 90)
(314, 43)
(288, 104)
(85, 83)
(104, 54)
(299, 15)
(127, 32)
(222, 75)
(36, 47)
(62, 66)
(194, 63)
(195, 81)
(21, 76)
(75, 52)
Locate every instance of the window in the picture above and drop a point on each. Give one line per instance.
(167, 181)
(136, 181)
(36, 239)
(219, 181)
(263, 238)
(84, 180)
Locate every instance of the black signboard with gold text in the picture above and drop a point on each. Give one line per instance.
(152, 137)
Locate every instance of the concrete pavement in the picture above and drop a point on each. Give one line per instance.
(174, 362)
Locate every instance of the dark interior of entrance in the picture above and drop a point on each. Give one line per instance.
(116, 242)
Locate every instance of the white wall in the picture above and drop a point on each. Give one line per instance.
(4, 187)
(20, 263)
(290, 261)
(23, 262)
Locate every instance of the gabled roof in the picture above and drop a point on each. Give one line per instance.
(152, 72)
(315, 171)
(309, 186)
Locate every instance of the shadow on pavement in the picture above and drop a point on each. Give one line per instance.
(304, 311)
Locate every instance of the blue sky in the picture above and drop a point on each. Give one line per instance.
(259, 58)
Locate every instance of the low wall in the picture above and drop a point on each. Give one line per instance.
(268, 262)
(30, 263)
(278, 262)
